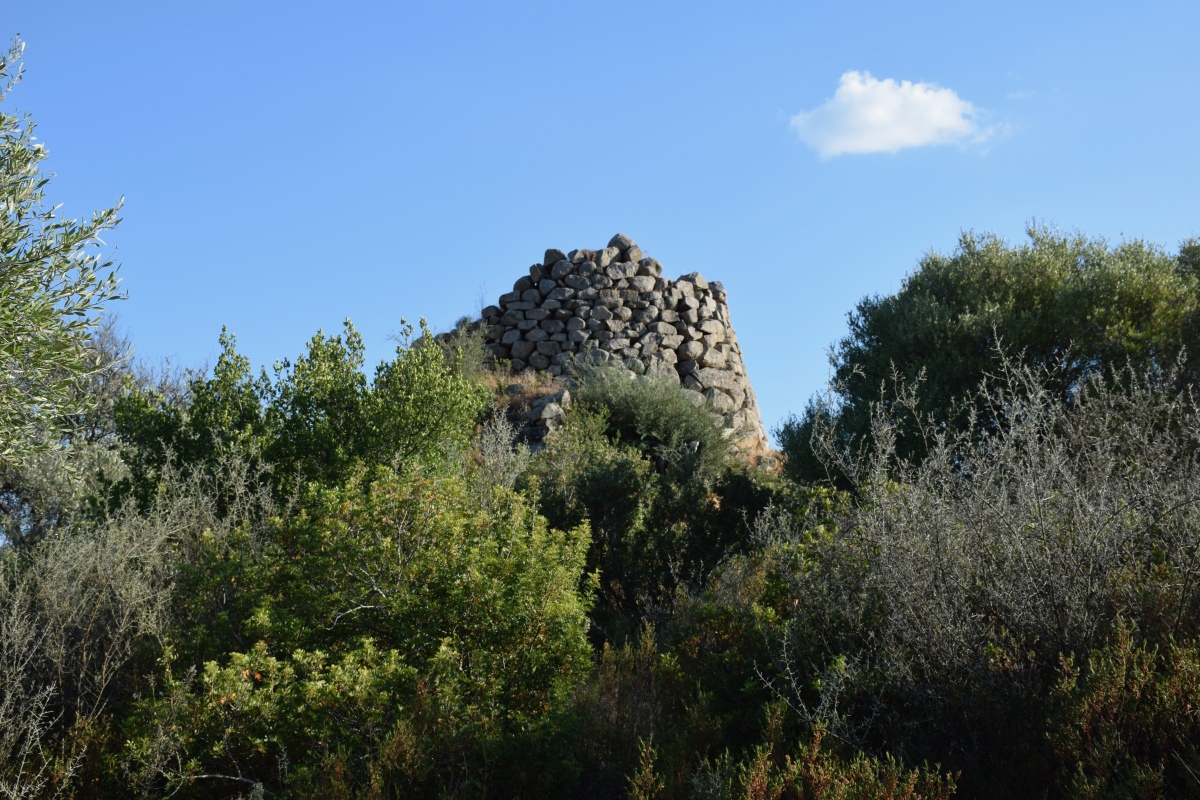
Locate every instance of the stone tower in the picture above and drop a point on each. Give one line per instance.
(614, 305)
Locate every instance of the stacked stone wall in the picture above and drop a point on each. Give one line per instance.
(613, 305)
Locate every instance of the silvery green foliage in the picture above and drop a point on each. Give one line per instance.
(502, 459)
(968, 573)
(26, 713)
(46, 487)
(76, 605)
(53, 283)
(656, 416)
(1037, 525)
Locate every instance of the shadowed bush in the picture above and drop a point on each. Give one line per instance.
(82, 615)
(945, 596)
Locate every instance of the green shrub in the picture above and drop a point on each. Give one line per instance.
(1127, 724)
(465, 348)
(812, 772)
(583, 477)
(402, 638)
(658, 417)
(637, 694)
(650, 471)
(312, 422)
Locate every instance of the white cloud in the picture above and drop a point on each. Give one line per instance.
(867, 115)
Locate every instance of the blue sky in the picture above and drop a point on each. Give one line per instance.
(288, 165)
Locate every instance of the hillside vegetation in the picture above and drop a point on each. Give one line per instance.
(977, 575)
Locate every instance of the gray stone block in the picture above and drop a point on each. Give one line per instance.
(621, 241)
(712, 358)
(650, 267)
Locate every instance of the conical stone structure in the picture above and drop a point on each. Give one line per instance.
(614, 305)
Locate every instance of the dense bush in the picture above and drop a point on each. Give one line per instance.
(652, 474)
(1127, 724)
(646, 729)
(313, 421)
(396, 635)
(82, 615)
(935, 613)
(1064, 303)
(652, 413)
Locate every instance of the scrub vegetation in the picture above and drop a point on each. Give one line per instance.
(977, 575)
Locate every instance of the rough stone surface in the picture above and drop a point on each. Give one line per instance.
(621, 242)
(614, 305)
(523, 349)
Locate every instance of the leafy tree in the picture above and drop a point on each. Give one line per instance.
(318, 408)
(1189, 255)
(217, 418)
(1062, 301)
(313, 422)
(324, 416)
(422, 400)
(52, 286)
(44, 491)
